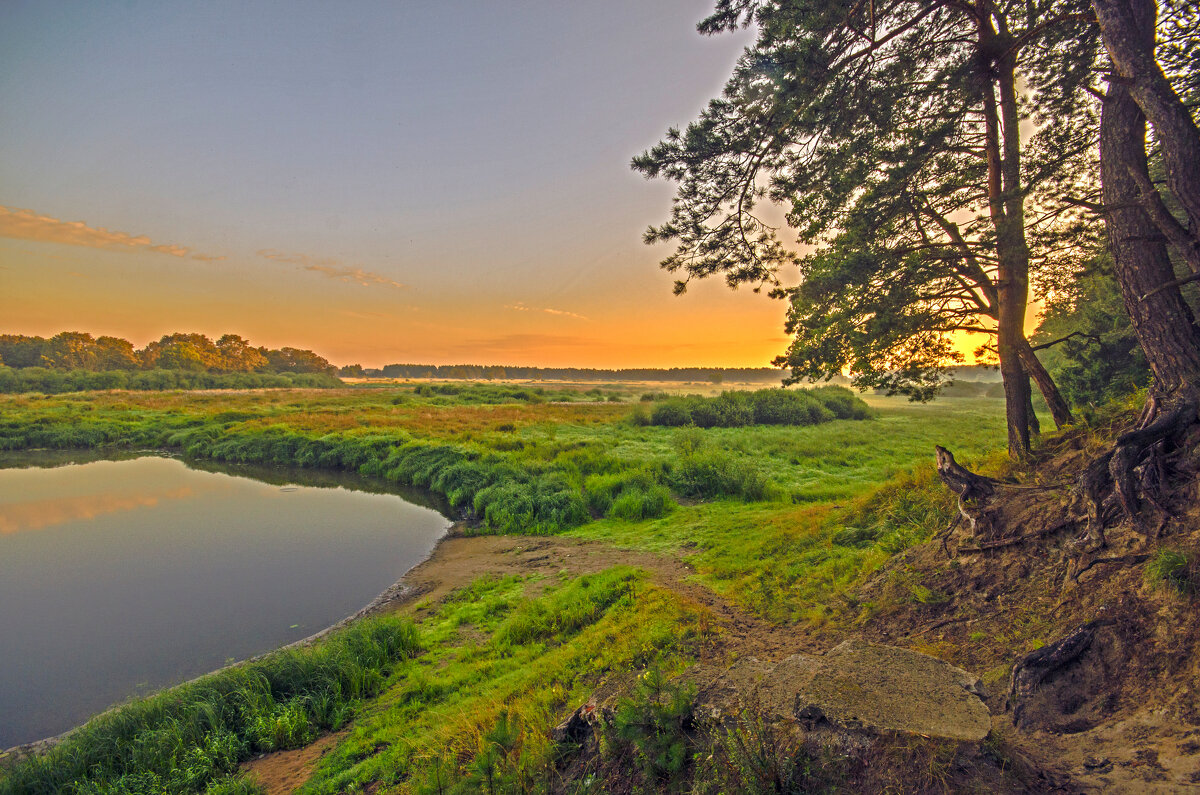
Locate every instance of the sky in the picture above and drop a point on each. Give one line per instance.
(405, 181)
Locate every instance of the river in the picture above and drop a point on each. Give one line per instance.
(120, 577)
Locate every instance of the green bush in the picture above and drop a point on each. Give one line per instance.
(762, 407)
(671, 413)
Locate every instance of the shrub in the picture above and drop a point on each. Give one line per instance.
(654, 721)
(672, 413)
(1173, 570)
(762, 407)
(844, 404)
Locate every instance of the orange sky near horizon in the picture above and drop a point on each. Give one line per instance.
(57, 275)
(409, 183)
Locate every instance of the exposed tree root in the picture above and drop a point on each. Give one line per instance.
(971, 489)
(1038, 664)
(1013, 541)
(1113, 488)
(1078, 566)
(1134, 464)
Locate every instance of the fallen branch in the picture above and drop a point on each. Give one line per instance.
(1013, 541)
(1132, 560)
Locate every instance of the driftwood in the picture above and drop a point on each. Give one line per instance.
(970, 488)
(1034, 667)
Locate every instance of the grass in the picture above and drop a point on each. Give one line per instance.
(1173, 570)
(785, 521)
(506, 658)
(192, 738)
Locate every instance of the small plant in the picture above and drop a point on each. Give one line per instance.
(1174, 570)
(758, 756)
(927, 596)
(492, 771)
(655, 721)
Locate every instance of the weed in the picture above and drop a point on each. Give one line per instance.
(759, 756)
(1172, 569)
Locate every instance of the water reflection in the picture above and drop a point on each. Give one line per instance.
(145, 572)
(34, 515)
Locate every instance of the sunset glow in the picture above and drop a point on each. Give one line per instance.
(413, 184)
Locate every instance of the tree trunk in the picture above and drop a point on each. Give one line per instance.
(1163, 321)
(1035, 425)
(1127, 27)
(1037, 371)
(1007, 210)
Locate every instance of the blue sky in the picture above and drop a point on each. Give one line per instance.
(399, 181)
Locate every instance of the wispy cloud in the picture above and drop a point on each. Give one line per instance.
(29, 225)
(332, 268)
(520, 307)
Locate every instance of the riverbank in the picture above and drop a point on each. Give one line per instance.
(121, 577)
(516, 630)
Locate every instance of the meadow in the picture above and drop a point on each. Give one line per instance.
(782, 521)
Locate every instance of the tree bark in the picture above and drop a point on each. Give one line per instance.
(1037, 371)
(1127, 27)
(1163, 321)
(1007, 210)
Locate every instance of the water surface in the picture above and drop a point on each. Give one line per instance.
(120, 577)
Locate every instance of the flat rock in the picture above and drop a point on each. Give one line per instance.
(860, 685)
(854, 686)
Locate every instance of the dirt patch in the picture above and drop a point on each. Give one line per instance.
(459, 560)
(283, 772)
(1123, 715)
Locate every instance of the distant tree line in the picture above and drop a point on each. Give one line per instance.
(482, 372)
(75, 361)
(194, 353)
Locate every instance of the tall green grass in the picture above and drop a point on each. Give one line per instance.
(762, 407)
(507, 658)
(190, 739)
(47, 381)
